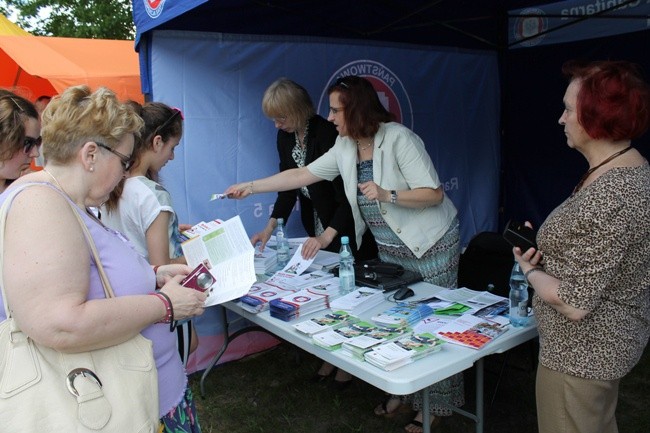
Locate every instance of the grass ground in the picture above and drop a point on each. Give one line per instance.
(271, 392)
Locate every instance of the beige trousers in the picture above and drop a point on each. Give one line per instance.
(569, 404)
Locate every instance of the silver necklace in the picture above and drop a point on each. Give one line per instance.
(362, 148)
(88, 210)
(54, 179)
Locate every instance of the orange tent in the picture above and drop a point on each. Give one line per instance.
(35, 65)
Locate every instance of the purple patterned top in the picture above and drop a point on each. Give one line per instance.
(130, 274)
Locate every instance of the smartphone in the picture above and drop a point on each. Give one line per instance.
(519, 235)
(199, 279)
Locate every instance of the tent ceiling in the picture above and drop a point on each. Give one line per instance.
(459, 23)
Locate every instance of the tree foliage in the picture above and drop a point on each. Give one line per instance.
(99, 19)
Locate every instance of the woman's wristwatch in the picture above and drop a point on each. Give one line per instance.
(393, 196)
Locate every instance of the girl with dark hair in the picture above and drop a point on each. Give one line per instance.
(141, 208)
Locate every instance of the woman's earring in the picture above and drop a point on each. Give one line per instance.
(92, 168)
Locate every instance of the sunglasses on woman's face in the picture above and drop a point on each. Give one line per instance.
(30, 143)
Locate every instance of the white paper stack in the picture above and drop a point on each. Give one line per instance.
(296, 304)
(265, 261)
(329, 287)
(324, 261)
(258, 297)
(291, 281)
(359, 300)
(331, 320)
(397, 353)
(375, 335)
(403, 313)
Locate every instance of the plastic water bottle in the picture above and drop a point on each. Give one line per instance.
(282, 247)
(346, 267)
(518, 297)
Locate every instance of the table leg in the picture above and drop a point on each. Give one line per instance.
(227, 338)
(479, 396)
(426, 416)
(224, 346)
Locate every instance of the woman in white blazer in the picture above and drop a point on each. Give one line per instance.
(394, 190)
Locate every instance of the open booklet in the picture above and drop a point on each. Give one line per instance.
(223, 247)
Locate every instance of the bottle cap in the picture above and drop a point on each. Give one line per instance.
(345, 240)
(280, 220)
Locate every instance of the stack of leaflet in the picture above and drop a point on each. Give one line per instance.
(334, 338)
(359, 300)
(265, 261)
(324, 261)
(404, 313)
(292, 281)
(403, 351)
(375, 335)
(328, 287)
(258, 297)
(326, 322)
(296, 304)
(472, 331)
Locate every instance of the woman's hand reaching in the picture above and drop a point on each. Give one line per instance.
(240, 190)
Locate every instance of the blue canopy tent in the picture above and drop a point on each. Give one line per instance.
(479, 81)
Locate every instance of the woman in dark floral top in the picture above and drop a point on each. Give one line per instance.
(591, 274)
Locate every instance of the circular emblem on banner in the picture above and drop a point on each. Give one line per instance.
(389, 88)
(528, 24)
(154, 7)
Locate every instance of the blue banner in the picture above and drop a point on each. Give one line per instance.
(449, 97)
(575, 20)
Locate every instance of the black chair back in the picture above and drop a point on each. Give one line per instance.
(487, 260)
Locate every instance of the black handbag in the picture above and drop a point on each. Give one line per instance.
(385, 276)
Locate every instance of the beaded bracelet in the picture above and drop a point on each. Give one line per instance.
(530, 271)
(169, 318)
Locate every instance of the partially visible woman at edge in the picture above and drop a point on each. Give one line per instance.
(88, 141)
(592, 296)
(20, 136)
(141, 208)
(394, 190)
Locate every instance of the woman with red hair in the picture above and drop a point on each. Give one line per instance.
(591, 289)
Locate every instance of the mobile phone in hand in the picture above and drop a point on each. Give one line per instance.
(520, 235)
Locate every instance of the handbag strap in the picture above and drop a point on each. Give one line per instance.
(108, 290)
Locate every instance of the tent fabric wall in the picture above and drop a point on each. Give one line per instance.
(449, 97)
(48, 65)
